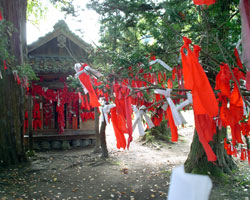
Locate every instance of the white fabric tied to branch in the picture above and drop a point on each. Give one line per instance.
(162, 63)
(86, 69)
(138, 119)
(105, 110)
(178, 119)
(186, 102)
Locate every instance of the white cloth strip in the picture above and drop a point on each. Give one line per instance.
(162, 63)
(138, 119)
(186, 102)
(105, 110)
(176, 115)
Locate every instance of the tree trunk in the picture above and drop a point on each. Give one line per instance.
(103, 140)
(97, 148)
(11, 94)
(30, 131)
(197, 159)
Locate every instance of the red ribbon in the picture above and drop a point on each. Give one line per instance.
(85, 80)
(5, 65)
(119, 128)
(223, 80)
(172, 125)
(1, 16)
(238, 61)
(123, 106)
(204, 102)
(204, 2)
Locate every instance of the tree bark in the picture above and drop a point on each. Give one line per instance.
(30, 131)
(11, 94)
(197, 160)
(97, 148)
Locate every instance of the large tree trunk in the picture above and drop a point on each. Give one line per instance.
(11, 94)
(197, 159)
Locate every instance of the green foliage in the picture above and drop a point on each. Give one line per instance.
(161, 132)
(26, 71)
(73, 83)
(31, 153)
(131, 30)
(6, 28)
(36, 10)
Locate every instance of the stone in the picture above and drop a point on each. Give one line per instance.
(76, 143)
(45, 145)
(36, 146)
(86, 142)
(56, 145)
(65, 145)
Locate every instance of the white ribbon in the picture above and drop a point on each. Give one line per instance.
(162, 63)
(178, 119)
(186, 102)
(86, 69)
(105, 110)
(138, 119)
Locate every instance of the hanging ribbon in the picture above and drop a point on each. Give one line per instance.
(82, 75)
(139, 114)
(105, 111)
(205, 104)
(87, 69)
(204, 2)
(5, 65)
(166, 66)
(119, 128)
(1, 16)
(176, 115)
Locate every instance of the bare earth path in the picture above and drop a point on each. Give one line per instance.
(141, 173)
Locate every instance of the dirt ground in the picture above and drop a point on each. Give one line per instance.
(141, 173)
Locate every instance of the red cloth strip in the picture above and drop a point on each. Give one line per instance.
(204, 2)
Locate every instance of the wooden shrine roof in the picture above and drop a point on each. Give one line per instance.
(58, 51)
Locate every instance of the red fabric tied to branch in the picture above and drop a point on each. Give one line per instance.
(85, 80)
(5, 65)
(205, 134)
(225, 116)
(249, 156)
(1, 16)
(245, 128)
(174, 132)
(223, 80)
(87, 103)
(123, 107)
(85, 116)
(243, 154)
(204, 102)
(119, 127)
(170, 83)
(236, 109)
(37, 123)
(204, 2)
(238, 61)
(61, 121)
